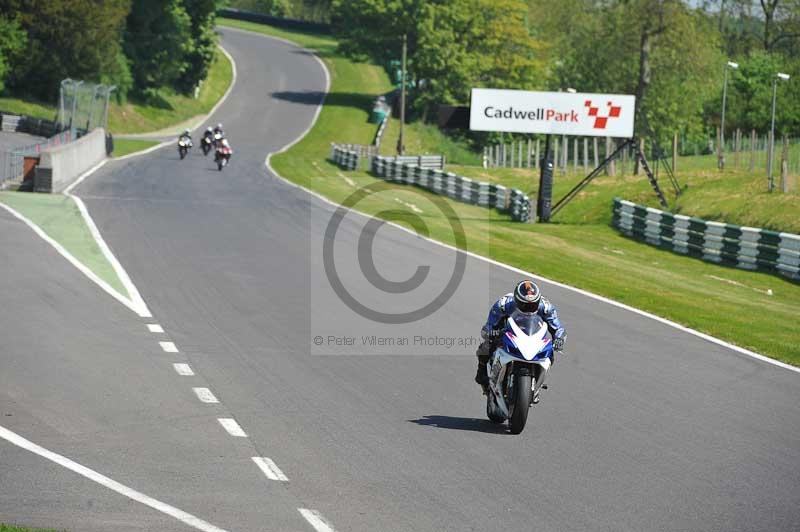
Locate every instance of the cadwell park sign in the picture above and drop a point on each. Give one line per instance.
(559, 113)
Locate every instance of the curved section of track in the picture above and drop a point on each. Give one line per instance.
(643, 428)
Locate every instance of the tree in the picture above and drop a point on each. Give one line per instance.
(158, 41)
(68, 38)
(13, 43)
(452, 45)
(781, 22)
(202, 14)
(662, 51)
(275, 8)
(473, 43)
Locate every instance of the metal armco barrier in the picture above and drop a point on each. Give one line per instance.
(454, 186)
(748, 248)
(292, 24)
(423, 161)
(381, 131)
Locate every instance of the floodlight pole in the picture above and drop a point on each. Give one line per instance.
(784, 77)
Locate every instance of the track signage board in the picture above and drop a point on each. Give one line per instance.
(560, 113)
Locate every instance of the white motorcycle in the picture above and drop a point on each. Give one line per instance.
(184, 143)
(517, 370)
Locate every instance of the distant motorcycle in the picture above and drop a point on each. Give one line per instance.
(517, 369)
(184, 143)
(222, 156)
(218, 138)
(206, 144)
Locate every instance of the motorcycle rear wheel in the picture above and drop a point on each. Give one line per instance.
(520, 403)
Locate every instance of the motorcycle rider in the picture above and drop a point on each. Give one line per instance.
(186, 136)
(526, 298)
(208, 133)
(223, 145)
(218, 129)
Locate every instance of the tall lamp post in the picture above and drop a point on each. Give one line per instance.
(784, 77)
(721, 151)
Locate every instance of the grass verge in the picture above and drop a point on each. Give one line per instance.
(128, 146)
(168, 109)
(720, 301)
(59, 217)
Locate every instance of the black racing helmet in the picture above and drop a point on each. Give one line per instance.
(527, 296)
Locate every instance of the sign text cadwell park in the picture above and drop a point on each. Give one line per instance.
(559, 113)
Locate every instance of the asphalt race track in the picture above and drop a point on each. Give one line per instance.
(644, 427)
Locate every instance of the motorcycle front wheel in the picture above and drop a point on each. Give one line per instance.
(182, 152)
(520, 403)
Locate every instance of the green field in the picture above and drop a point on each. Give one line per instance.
(169, 110)
(127, 146)
(581, 250)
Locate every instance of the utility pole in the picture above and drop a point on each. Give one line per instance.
(721, 147)
(400, 144)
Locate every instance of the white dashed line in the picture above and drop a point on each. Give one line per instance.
(205, 395)
(270, 469)
(168, 347)
(316, 520)
(232, 427)
(111, 484)
(183, 369)
(155, 328)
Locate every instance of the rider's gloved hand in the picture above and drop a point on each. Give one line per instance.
(558, 344)
(487, 333)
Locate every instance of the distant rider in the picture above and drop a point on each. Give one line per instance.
(186, 136)
(526, 298)
(218, 129)
(208, 133)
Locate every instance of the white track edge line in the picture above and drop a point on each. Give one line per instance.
(71, 259)
(316, 520)
(591, 295)
(109, 483)
(133, 293)
(270, 468)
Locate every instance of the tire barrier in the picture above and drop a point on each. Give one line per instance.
(459, 188)
(27, 124)
(748, 248)
(344, 157)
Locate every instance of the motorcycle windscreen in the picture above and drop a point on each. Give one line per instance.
(526, 336)
(530, 324)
